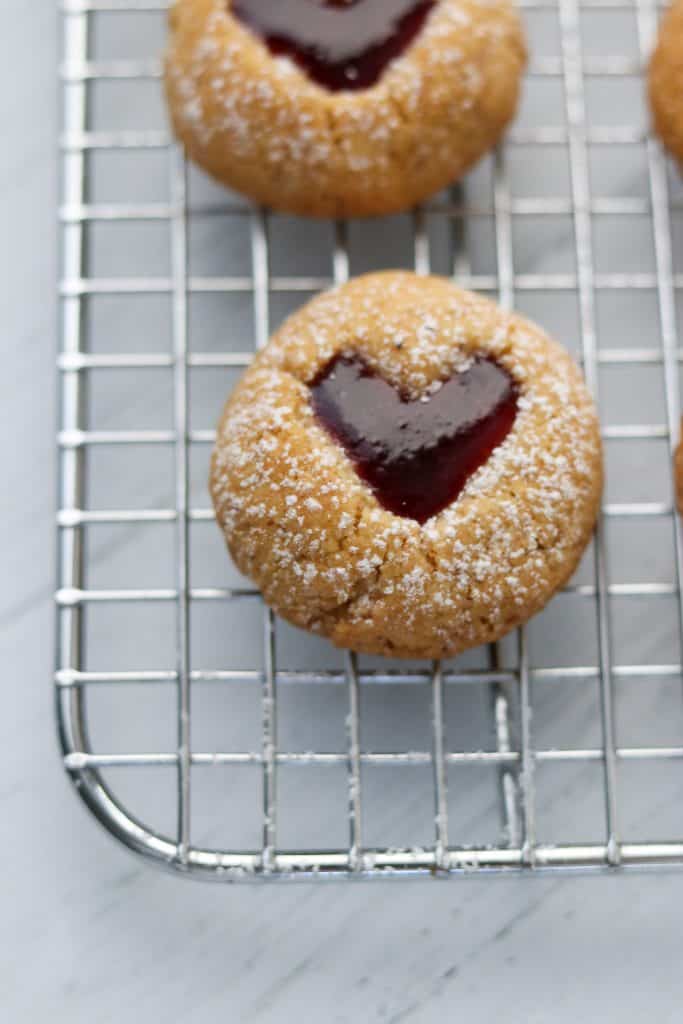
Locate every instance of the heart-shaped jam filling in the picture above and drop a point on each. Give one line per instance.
(341, 44)
(416, 455)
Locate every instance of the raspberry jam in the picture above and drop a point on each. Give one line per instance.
(341, 44)
(416, 455)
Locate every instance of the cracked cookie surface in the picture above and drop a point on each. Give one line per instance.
(260, 125)
(327, 556)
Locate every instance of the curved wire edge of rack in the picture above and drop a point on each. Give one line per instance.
(224, 866)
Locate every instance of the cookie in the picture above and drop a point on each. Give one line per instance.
(666, 81)
(331, 108)
(406, 469)
(678, 473)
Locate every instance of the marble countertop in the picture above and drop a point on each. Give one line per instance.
(90, 934)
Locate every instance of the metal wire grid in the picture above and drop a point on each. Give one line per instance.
(516, 756)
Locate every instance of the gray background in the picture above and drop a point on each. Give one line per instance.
(90, 934)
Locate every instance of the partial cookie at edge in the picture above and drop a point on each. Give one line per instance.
(262, 127)
(666, 80)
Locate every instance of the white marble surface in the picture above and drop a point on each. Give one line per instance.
(89, 934)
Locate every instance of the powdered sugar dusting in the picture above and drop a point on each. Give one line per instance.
(243, 112)
(300, 521)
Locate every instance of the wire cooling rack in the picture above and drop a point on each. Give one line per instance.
(210, 738)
